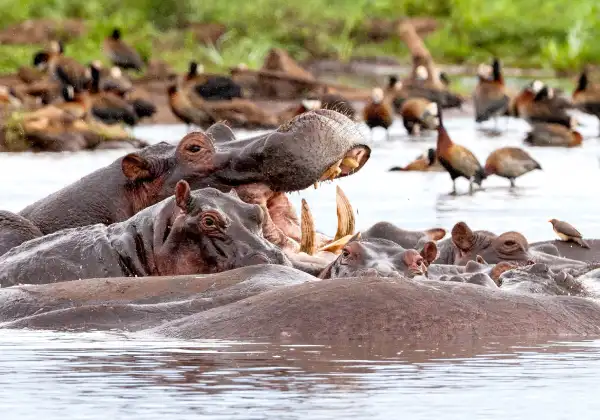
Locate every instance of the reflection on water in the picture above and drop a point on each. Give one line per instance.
(110, 376)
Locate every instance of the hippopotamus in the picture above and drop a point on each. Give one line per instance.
(405, 238)
(204, 231)
(370, 309)
(380, 257)
(313, 147)
(474, 272)
(465, 245)
(14, 230)
(542, 279)
(570, 250)
(134, 303)
(270, 302)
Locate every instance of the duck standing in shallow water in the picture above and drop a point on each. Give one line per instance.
(457, 160)
(490, 98)
(536, 103)
(419, 113)
(510, 163)
(586, 96)
(378, 112)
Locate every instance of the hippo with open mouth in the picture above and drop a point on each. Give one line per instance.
(313, 147)
(199, 232)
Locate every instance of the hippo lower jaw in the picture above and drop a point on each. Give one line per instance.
(282, 226)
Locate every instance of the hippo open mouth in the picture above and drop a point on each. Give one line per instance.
(314, 147)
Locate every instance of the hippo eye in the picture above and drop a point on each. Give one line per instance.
(209, 221)
(509, 243)
(345, 253)
(194, 148)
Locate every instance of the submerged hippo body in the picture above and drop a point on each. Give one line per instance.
(204, 231)
(466, 245)
(14, 230)
(294, 157)
(570, 250)
(133, 303)
(275, 302)
(427, 313)
(408, 239)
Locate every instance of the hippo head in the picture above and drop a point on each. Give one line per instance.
(467, 244)
(382, 258)
(313, 147)
(208, 231)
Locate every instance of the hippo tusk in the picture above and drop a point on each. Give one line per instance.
(308, 243)
(336, 246)
(350, 162)
(345, 215)
(332, 172)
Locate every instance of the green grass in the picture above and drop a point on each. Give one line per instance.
(528, 33)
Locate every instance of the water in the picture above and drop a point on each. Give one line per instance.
(112, 375)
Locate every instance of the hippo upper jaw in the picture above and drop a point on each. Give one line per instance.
(313, 147)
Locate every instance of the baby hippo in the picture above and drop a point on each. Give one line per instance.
(200, 232)
(381, 258)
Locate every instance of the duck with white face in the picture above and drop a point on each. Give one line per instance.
(378, 112)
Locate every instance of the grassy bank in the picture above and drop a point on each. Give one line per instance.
(528, 33)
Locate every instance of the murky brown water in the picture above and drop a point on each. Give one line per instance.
(111, 376)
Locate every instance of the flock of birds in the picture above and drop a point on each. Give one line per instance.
(60, 86)
(537, 103)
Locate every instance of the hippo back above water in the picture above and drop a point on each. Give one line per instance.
(204, 231)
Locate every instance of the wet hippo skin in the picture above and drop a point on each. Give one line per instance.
(204, 231)
(374, 309)
(130, 303)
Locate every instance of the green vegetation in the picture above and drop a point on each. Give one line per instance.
(529, 33)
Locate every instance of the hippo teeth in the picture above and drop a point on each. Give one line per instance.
(350, 162)
(308, 243)
(345, 229)
(345, 215)
(332, 172)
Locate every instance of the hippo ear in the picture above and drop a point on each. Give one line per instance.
(220, 133)
(233, 193)
(136, 168)
(436, 234)
(480, 259)
(429, 252)
(462, 236)
(183, 196)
